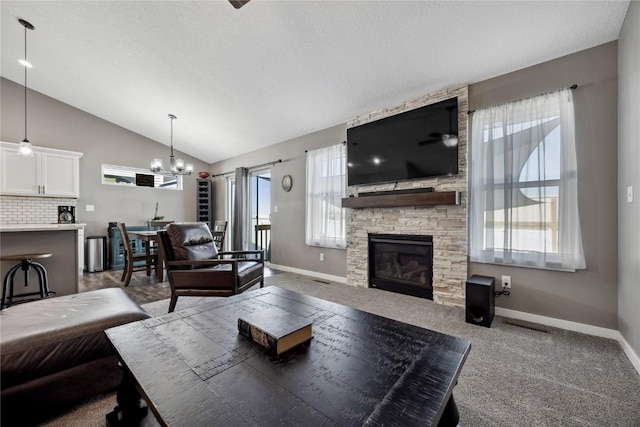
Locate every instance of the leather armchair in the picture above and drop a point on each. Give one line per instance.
(196, 268)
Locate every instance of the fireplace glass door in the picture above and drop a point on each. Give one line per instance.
(401, 263)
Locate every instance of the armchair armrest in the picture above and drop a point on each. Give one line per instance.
(235, 255)
(200, 263)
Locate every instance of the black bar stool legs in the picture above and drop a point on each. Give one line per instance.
(26, 264)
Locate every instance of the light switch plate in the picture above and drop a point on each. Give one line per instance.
(630, 194)
(89, 208)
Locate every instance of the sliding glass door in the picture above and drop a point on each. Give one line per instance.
(260, 202)
(258, 223)
(230, 202)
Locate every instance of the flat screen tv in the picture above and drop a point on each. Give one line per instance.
(415, 144)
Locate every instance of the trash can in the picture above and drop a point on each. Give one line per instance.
(96, 253)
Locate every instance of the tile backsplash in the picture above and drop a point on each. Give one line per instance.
(31, 210)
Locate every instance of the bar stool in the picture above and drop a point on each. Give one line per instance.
(26, 263)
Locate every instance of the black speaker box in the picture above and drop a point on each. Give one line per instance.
(480, 300)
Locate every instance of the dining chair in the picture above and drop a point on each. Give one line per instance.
(134, 261)
(156, 225)
(219, 231)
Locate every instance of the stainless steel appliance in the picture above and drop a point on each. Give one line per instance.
(66, 214)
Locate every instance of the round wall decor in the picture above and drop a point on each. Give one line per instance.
(287, 182)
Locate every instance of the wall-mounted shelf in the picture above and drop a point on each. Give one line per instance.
(427, 198)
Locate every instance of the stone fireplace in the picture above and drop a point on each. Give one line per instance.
(446, 224)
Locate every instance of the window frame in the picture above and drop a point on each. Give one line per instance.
(130, 172)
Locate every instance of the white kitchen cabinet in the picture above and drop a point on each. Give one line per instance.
(48, 173)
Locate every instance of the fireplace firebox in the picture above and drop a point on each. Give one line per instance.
(401, 263)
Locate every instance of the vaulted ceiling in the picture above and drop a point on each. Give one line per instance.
(243, 79)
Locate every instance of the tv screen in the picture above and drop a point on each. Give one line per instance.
(416, 144)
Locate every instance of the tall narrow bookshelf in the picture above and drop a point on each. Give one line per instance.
(205, 201)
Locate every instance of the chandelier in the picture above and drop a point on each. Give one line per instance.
(176, 167)
(25, 146)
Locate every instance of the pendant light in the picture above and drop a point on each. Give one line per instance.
(25, 146)
(176, 167)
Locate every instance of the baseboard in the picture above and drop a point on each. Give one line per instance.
(559, 323)
(323, 276)
(631, 355)
(576, 327)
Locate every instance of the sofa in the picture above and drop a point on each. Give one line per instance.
(54, 353)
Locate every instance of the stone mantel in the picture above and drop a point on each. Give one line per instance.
(445, 222)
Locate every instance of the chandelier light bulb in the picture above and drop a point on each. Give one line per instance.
(156, 165)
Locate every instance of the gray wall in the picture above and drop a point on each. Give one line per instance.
(54, 124)
(629, 174)
(589, 296)
(586, 296)
(287, 225)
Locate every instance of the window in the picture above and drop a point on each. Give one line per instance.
(124, 175)
(523, 184)
(326, 186)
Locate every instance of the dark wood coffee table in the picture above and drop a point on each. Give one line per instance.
(193, 368)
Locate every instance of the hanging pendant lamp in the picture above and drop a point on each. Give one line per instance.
(25, 146)
(176, 167)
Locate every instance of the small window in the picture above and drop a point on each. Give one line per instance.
(126, 176)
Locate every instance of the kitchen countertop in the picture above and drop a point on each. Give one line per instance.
(40, 227)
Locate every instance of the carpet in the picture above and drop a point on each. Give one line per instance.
(514, 375)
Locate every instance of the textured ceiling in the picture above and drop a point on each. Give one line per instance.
(240, 80)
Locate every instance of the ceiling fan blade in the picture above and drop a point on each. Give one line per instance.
(429, 141)
(238, 3)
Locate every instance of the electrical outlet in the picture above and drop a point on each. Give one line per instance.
(89, 208)
(506, 282)
(321, 256)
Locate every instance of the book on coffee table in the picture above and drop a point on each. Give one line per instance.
(276, 330)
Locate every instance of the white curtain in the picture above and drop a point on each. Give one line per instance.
(326, 186)
(523, 184)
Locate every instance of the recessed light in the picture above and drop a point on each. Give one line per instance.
(25, 63)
